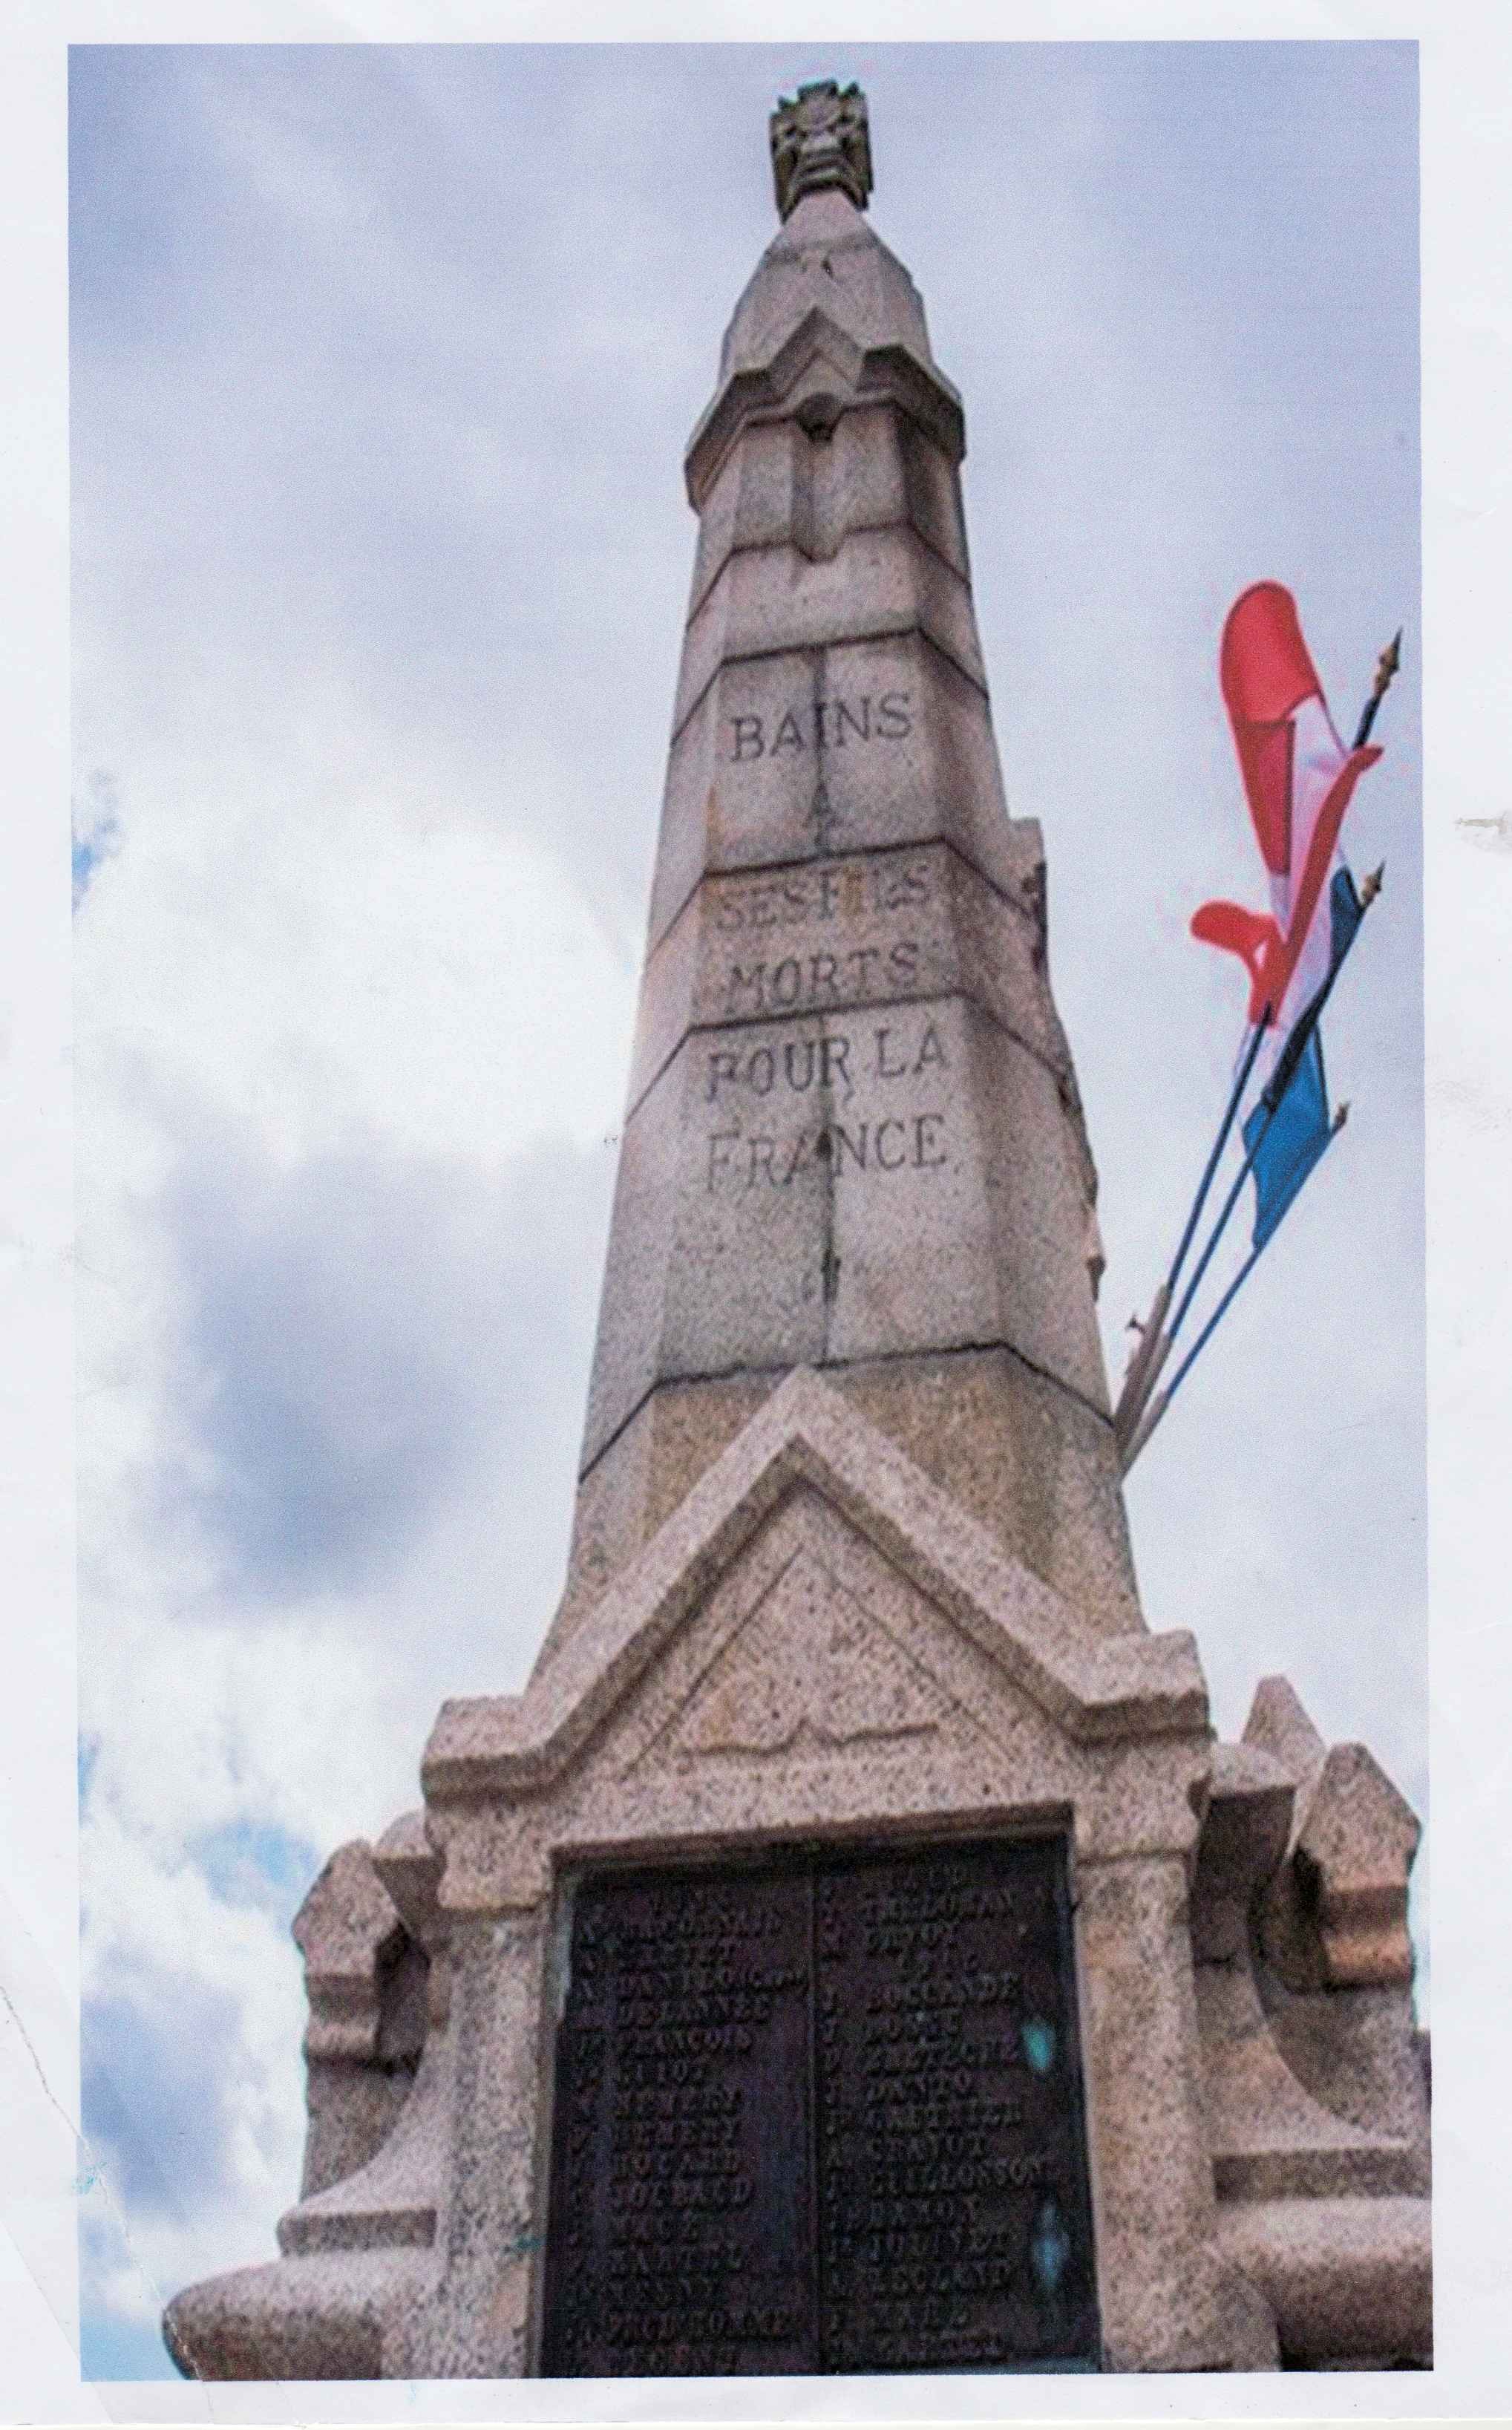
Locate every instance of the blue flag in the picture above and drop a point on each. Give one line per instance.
(1345, 912)
(1294, 1137)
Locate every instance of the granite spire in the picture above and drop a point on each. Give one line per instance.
(854, 1140)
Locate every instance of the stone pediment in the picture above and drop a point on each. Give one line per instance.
(813, 1682)
(810, 1668)
(785, 1672)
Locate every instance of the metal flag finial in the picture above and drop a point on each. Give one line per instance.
(1386, 667)
(1388, 663)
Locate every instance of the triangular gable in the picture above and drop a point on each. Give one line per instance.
(1091, 1687)
(814, 1658)
(811, 1666)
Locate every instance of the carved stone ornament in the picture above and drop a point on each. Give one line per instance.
(821, 140)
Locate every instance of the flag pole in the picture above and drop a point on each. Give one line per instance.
(1127, 1419)
(1149, 1351)
(1161, 1402)
(1292, 1054)
(1154, 1347)
(1246, 1067)
(1386, 667)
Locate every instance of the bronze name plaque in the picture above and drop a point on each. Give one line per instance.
(822, 2116)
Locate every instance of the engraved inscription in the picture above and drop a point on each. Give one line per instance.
(948, 2165)
(822, 725)
(753, 1087)
(680, 2189)
(804, 981)
(850, 911)
(833, 890)
(822, 2117)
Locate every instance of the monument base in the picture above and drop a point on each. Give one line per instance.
(1212, 2155)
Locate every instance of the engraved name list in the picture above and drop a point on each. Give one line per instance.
(822, 2116)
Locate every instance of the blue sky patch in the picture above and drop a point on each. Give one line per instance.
(256, 1864)
(155, 2088)
(111, 2348)
(96, 835)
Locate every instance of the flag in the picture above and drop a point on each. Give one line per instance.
(1346, 909)
(1287, 1141)
(1298, 779)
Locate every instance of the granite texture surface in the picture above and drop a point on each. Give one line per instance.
(330, 2316)
(1169, 2298)
(842, 933)
(854, 1137)
(831, 1187)
(1349, 2282)
(829, 255)
(1027, 1461)
(859, 741)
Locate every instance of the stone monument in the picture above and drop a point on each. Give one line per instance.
(852, 1952)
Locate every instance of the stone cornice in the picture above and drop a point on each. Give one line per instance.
(857, 375)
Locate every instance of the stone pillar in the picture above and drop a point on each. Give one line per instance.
(478, 2327)
(1169, 2303)
(853, 1137)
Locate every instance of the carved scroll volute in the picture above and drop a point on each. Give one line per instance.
(1354, 1854)
(411, 1871)
(1335, 1916)
(349, 1933)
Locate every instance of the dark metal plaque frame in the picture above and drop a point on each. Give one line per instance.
(821, 2114)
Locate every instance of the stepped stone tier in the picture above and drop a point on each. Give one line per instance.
(852, 1950)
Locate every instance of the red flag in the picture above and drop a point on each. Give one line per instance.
(1298, 777)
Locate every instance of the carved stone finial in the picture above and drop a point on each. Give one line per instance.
(821, 140)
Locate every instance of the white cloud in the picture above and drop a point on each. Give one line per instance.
(322, 976)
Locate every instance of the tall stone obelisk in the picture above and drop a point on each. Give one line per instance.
(852, 1951)
(854, 1139)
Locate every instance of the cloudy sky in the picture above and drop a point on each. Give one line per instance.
(383, 361)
